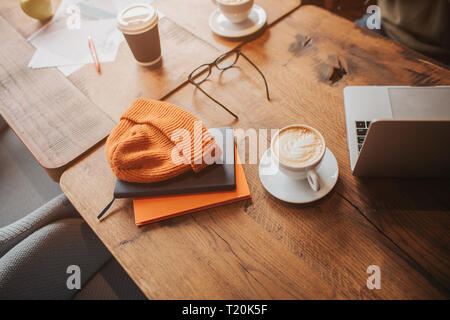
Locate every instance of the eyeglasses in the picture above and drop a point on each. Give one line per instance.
(224, 62)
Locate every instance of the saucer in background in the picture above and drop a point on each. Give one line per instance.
(221, 26)
(290, 190)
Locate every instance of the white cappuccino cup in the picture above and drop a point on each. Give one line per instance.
(297, 150)
(235, 10)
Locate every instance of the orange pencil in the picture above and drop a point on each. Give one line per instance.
(94, 53)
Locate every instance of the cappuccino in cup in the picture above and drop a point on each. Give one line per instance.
(236, 11)
(298, 146)
(298, 150)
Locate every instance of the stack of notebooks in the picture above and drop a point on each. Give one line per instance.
(220, 183)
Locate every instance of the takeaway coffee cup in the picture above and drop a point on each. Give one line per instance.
(139, 25)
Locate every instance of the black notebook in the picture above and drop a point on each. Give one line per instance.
(216, 177)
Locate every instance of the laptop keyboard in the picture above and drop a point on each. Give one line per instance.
(361, 131)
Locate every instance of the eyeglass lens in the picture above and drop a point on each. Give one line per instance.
(226, 60)
(200, 74)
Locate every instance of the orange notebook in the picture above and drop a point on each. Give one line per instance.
(159, 208)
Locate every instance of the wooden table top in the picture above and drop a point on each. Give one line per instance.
(99, 107)
(54, 119)
(265, 248)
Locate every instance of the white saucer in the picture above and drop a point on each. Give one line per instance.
(221, 26)
(287, 189)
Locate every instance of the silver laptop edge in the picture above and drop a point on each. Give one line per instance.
(371, 103)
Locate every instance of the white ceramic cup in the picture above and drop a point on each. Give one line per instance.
(236, 11)
(300, 172)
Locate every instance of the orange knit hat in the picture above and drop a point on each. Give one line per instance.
(141, 148)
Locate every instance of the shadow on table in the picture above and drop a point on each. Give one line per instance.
(403, 194)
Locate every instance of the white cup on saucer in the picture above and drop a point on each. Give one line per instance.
(236, 11)
(297, 150)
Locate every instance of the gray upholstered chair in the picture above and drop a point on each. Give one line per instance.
(36, 251)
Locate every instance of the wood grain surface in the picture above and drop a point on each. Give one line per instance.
(93, 94)
(265, 248)
(181, 53)
(54, 120)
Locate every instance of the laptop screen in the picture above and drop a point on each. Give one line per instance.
(430, 103)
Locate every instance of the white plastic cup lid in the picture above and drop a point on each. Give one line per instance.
(137, 18)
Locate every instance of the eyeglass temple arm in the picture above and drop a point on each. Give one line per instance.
(262, 75)
(204, 92)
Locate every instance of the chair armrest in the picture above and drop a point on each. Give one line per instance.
(57, 208)
(36, 268)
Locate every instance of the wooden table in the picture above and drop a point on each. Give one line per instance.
(93, 107)
(264, 248)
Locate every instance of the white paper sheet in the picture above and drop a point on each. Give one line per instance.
(61, 45)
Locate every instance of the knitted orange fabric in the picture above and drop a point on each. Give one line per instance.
(140, 147)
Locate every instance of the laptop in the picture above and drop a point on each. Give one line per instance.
(398, 131)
